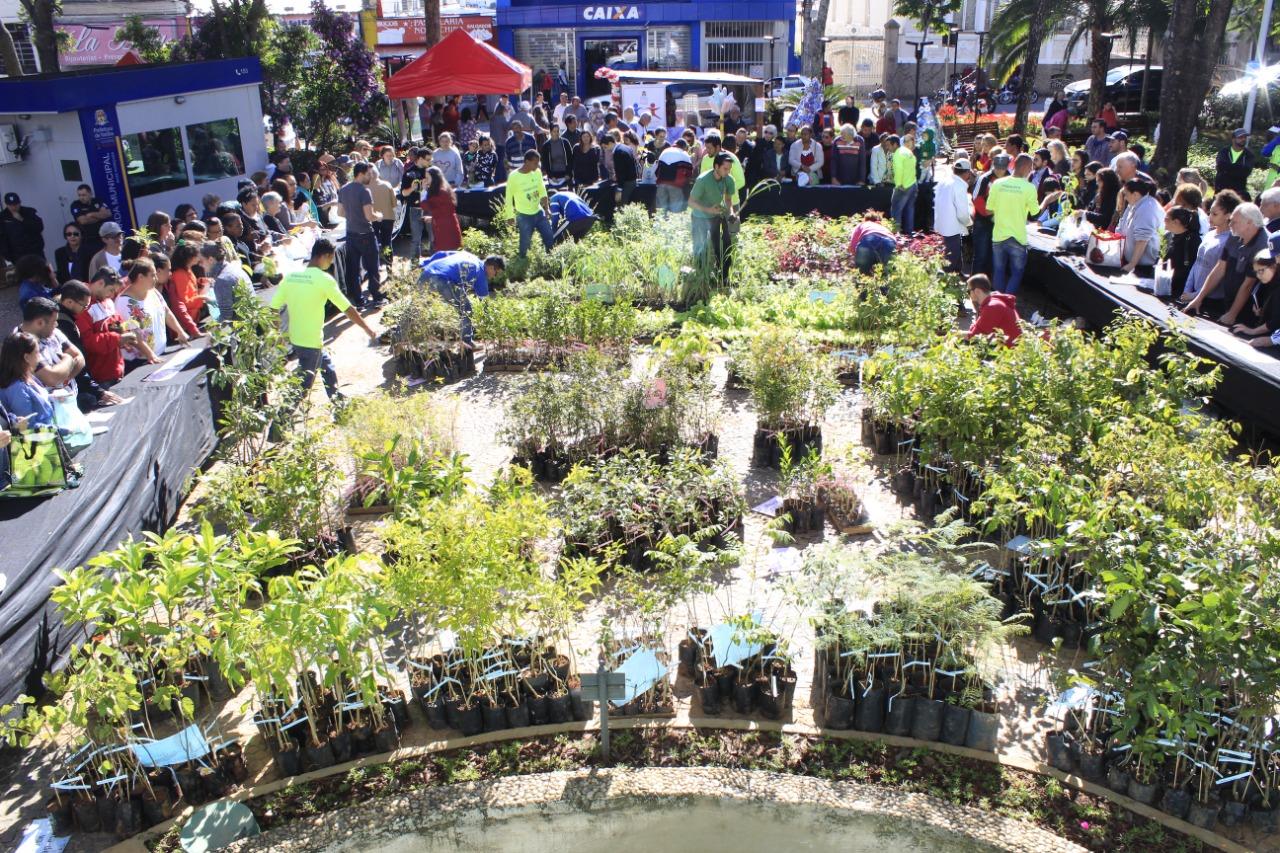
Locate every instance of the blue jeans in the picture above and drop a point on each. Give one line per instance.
(527, 223)
(982, 229)
(902, 206)
(1010, 259)
(873, 251)
(361, 251)
(308, 361)
(415, 230)
(711, 237)
(670, 198)
(455, 295)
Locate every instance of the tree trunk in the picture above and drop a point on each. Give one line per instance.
(813, 54)
(431, 14)
(1146, 71)
(1099, 56)
(9, 53)
(43, 34)
(1191, 50)
(1031, 65)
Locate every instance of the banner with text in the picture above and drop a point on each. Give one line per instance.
(100, 44)
(101, 131)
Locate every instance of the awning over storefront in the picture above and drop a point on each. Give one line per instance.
(458, 65)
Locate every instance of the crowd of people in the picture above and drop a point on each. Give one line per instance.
(1217, 251)
(112, 301)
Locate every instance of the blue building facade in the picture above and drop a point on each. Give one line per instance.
(753, 37)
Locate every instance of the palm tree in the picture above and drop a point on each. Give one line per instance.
(1011, 28)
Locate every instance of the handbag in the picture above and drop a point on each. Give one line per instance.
(1105, 249)
(36, 464)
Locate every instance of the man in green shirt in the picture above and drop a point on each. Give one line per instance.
(1012, 201)
(305, 294)
(714, 147)
(527, 200)
(902, 204)
(711, 206)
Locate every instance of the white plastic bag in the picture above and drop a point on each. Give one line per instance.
(1164, 280)
(1105, 249)
(1073, 233)
(77, 432)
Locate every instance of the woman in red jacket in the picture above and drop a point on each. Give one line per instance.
(440, 207)
(164, 283)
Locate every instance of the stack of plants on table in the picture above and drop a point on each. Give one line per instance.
(792, 385)
(595, 407)
(424, 332)
(904, 639)
(1131, 530)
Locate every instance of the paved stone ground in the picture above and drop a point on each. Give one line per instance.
(531, 800)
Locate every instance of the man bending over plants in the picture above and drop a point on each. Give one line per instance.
(453, 274)
(713, 217)
(997, 312)
(305, 294)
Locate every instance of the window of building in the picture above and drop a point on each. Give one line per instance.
(741, 47)
(155, 161)
(216, 152)
(667, 48)
(71, 172)
(547, 49)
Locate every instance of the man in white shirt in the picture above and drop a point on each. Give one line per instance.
(953, 211)
(557, 115)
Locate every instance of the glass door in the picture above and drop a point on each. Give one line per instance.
(621, 53)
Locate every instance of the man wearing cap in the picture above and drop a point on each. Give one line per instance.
(1098, 146)
(89, 212)
(1235, 163)
(109, 255)
(21, 231)
(952, 210)
(1119, 144)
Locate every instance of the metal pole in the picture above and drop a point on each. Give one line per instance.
(602, 685)
(1263, 30)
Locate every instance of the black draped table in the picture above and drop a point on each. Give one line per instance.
(1250, 386)
(135, 476)
(785, 199)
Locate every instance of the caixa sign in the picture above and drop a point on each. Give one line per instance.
(600, 14)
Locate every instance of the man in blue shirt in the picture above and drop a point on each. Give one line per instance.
(452, 274)
(570, 213)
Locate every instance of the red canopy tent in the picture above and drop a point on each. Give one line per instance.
(130, 58)
(460, 65)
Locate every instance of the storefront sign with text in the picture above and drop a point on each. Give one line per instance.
(99, 44)
(600, 14)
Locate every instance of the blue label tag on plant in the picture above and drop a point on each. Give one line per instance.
(769, 507)
(827, 296)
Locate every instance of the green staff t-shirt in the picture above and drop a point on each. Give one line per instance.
(305, 294)
(1012, 201)
(710, 191)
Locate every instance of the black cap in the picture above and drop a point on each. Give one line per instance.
(12, 198)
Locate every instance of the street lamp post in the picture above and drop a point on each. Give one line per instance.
(919, 46)
(773, 58)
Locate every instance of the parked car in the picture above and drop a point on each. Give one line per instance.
(1124, 89)
(780, 85)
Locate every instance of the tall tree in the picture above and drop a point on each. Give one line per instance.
(348, 70)
(1192, 46)
(41, 14)
(1037, 29)
(144, 40)
(813, 50)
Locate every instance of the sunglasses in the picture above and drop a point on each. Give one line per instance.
(72, 234)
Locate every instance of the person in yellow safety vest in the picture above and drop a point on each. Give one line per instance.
(1271, 151)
